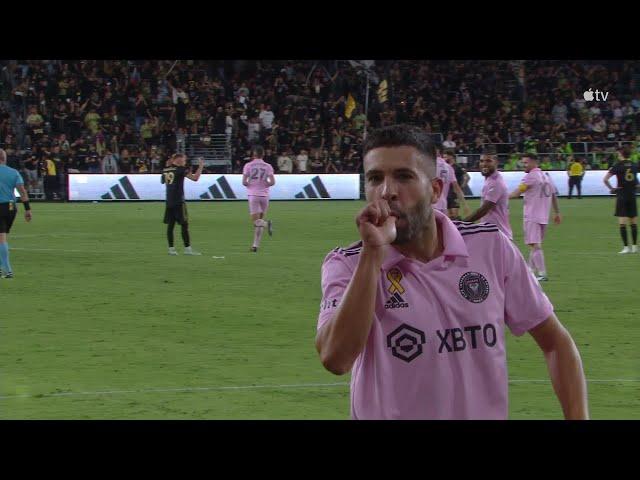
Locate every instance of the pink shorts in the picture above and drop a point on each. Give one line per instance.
(258, 204)
(534, 232)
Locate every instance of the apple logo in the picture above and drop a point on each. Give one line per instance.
(588, 95)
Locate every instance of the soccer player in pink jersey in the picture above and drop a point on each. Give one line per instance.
(539, 194)
(257, 176)
(495, 196)
(448, 176)
(417, 309)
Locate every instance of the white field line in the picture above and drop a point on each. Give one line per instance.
(256, 387)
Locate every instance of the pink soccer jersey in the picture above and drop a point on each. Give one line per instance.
(258, 171)
(448, 176)
(436, 349)
(495, 190)
(537, 196)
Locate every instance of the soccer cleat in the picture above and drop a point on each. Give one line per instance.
(253, 249)
(626, 249)
(270, 228)
(189, 251)
(7, 275)
(172, 251)
(542, 278)
(634, 248)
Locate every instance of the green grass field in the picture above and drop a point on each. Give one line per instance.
(100, 323)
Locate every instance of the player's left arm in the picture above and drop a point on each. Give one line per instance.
(606, 181)
(557, 218)
(461, 199)
(196, 176)
(24, 198)
(245, 179)
(565, 367)
(466, 179)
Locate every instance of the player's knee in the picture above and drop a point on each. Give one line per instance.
(258, 223)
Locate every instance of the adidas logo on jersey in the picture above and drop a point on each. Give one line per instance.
(215, 193)
(118, 194)
(319, 192)
(396, 301)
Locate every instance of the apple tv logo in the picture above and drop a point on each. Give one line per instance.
(589, 95)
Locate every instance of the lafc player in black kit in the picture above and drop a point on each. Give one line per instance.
(626, 173)
(176, 209)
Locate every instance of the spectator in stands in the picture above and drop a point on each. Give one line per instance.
(31, 171)
(266, 117)
(285, 163)
(109, 163)
(449, 143)
(301, 163)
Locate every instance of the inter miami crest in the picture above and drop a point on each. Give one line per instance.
(474, 287)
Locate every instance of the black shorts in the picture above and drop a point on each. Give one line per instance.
(177, 214)
(626, 206)
(7, 216)
(452, 200)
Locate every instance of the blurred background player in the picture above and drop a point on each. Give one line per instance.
(10, 179)
(176, 208)
(494, 206)
(575, 170)
(462, 177)
(257, 176)
(626, 173)
(448, 177)
(539, 195)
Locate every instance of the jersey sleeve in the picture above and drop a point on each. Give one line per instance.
(525, 304)
(452, 174)
(335, 277)
(19, 180)
(269, 169)
(529, 180)
(245, 169)
(494, 192)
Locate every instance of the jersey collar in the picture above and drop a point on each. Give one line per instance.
(455, 249)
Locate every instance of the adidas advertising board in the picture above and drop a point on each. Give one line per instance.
(288, 187)
(211, 187)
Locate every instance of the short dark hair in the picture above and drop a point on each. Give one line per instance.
(257, 151)
(403, 136)
(531, 155)
(625, 152)
(489, 150)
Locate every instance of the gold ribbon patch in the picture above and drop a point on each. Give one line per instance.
(394, 276)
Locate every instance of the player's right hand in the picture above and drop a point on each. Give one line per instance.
(376, 225)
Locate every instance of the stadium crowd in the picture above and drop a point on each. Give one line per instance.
(126, 117)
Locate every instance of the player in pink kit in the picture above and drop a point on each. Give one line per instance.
(539, 194)
(257, 176)
(417, 309)
(448, 176)
(495, 197)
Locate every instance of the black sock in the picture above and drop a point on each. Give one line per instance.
(185, 234)
(634, 234)
(170, 233)
(623, 234)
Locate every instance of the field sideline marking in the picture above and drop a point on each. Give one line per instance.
(251, 387)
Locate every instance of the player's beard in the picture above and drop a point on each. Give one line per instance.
(416, 222)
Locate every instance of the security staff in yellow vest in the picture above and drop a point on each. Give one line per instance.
(50, 178)
(575, 170)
